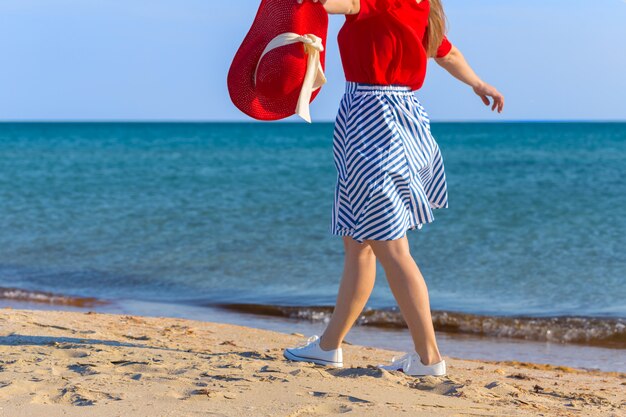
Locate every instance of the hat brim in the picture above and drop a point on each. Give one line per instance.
(273, 18)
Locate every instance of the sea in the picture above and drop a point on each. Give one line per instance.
(230, 222)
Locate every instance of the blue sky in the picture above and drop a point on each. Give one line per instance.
(168, 60)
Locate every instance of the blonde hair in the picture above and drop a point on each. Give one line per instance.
(436, 26)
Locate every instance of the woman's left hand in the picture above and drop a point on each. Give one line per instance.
(484, 91)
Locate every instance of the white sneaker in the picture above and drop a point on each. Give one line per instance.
(310, 351)
(411, 364)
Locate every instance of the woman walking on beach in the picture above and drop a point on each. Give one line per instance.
(390, 172)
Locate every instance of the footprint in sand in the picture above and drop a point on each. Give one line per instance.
(206, 392)
(83, 369)
(502, 389)
(438, 385)
(333, 404)
(370, 371)
(80, 396)
(321, 410)
(349, 398)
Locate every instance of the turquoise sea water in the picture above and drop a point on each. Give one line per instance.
(239, 213)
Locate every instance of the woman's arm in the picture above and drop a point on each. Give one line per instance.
(339, 6)
(454, 62)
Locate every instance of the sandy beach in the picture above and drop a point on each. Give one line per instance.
(75, 364)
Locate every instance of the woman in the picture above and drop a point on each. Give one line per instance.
(390, 173)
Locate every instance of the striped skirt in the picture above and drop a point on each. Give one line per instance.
(390, 172)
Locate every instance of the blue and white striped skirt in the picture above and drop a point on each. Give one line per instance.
(390, 172)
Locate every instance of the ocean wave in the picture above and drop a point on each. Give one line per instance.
(41, 297)
(594, 331)
(607, 332)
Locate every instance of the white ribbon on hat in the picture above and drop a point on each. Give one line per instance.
(314, 77)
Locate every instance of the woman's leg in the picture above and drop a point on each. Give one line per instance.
(409, 289)
(357, 283)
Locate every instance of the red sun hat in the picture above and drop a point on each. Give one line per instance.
(279, 68)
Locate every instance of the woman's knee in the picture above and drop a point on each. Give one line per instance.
(391, 251)
(355, 249)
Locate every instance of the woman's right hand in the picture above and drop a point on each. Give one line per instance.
(454, 62)
(484, 91)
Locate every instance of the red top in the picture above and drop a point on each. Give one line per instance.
(385, 43)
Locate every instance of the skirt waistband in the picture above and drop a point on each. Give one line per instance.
(364, 88)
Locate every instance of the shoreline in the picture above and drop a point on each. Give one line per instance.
(309, 320)
(463, 346)
(600, 331)
(69, 363)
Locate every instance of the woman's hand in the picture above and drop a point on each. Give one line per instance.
(484, 91)
(338, 6)
(454, 62)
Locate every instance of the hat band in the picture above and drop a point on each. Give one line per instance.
(314, 77)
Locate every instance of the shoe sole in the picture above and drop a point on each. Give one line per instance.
(296, 358)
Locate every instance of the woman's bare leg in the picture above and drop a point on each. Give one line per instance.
(357, 283)
(410, 291)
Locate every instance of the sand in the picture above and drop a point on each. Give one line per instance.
(87, 364)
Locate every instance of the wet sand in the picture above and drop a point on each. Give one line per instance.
(75, 364)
